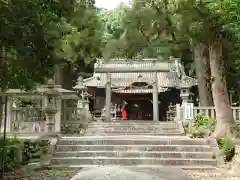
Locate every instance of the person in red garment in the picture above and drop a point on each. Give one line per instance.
(124, 112)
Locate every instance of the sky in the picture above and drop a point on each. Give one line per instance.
(109, 4)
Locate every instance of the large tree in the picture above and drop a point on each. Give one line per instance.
(29, 32)
(81, 44)
(196, 26)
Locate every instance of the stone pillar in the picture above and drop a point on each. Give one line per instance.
(9, 114)
(108, 97)
(58, 116)
(155, 98)
(80, 104)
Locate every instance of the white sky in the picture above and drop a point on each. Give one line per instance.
(109, 4)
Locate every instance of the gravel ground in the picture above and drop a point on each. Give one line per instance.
(41, 174)
(218, 174)
(67, 174)
(127, 173)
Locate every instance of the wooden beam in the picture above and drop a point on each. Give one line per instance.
(130, 69)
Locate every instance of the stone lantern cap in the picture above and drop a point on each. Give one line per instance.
(80, 85)
(50, 89)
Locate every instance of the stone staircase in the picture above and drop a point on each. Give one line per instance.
(134, 144)
(134, 128)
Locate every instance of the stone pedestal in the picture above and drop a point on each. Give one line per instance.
(50, 108)
(50, 120)
(185, 95)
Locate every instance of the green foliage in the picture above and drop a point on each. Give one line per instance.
(33, 150)
(202, 126)
(204, 122)
(82, 35)
(27, 41)
(35, 34)
(227, 146)
(236, 129)
(13, 153)
(20, 152)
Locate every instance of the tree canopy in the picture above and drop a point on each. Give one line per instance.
(40, 38)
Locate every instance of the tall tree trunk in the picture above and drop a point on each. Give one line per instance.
(2, 64)
(202, 66)
(58, 74)
(63, 76)
(224, 114)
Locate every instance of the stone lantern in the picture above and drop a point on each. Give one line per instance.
(50, 107)
(83, 95)
(185, 94)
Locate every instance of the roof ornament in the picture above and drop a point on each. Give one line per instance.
(98, 63)
(80, 79)
(179, 67)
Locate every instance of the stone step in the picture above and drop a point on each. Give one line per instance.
(184, 167)
(132, 133)
(134, 122)
(139, 154)
(134, 137)
(113, 124)
(172, 125)
(128, 129)
(129, 141)
(131, 161)
(132, 130)
(176, 148)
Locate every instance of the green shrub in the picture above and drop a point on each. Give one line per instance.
(34, 150)
(13, 153)
(30, 150)
(20, 152)
(201, 126)
(236, 129)
(200, 132)
(227, 146)
(204, 122)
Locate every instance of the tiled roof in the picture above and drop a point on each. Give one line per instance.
(135, 91)
(150, 63)
(166, 79)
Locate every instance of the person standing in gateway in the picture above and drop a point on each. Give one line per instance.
(124, 111)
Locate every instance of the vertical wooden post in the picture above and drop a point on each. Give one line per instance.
(155, 98)
(108, 97)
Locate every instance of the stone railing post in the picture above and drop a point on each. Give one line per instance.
(9, 114)
(50, 108)
(58, 115)
(178, 112)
